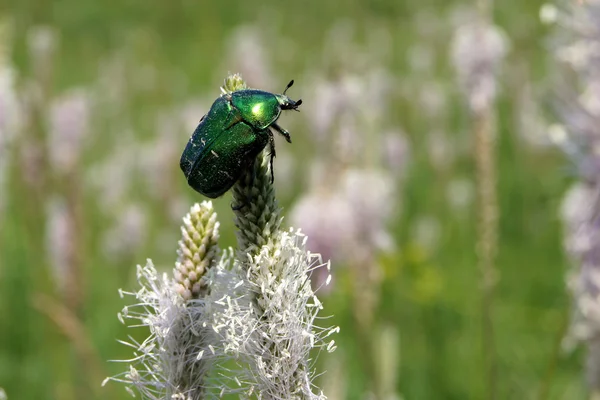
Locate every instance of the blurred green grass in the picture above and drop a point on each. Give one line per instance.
(432, 297)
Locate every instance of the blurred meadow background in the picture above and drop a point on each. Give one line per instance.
(441, 290)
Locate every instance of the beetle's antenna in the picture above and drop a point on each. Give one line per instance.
(289, 85)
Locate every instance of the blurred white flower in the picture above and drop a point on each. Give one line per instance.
(557, 134)
(42, 41)
(442, 149)
(323, 104)
(432, 99)
(580, 216)
(190, 114)
(128, 233)
(42, 44)
(249, 55)
(372, 195)
(590, 97)
(460, 193)
(112, 85)
(427, 231)
(532, 125)
(156, 165)
(421, 59)
(477, 51)
(112, 177)
(396, 152)
(10, 110)
(548, 13)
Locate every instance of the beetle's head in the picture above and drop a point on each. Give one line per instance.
(285, 102)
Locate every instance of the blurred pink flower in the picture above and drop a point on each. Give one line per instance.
(111, 178)
(327, 218)
(10, 114)
(42, 44)
(60, 237)
(396, 152)
(249, 55)
(69, 125)
(477, 51)
(128, 233)
(347, 223)
(158, 159)
(579, 136)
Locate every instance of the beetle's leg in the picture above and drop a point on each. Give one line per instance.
(283, 132)
(272, 148)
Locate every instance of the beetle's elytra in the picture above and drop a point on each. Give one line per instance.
(230, 136)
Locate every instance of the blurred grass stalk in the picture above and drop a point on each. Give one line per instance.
(50, 169)
(478, 50)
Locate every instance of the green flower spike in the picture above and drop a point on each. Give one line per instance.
(197, 250)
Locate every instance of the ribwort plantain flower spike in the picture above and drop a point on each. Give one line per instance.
(173, 362)
(285, 312)
(275, 269)
(258, 220)
(197, 250)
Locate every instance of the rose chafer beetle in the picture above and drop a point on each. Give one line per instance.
(230, 136)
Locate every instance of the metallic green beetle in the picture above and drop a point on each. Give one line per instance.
(228, 138)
